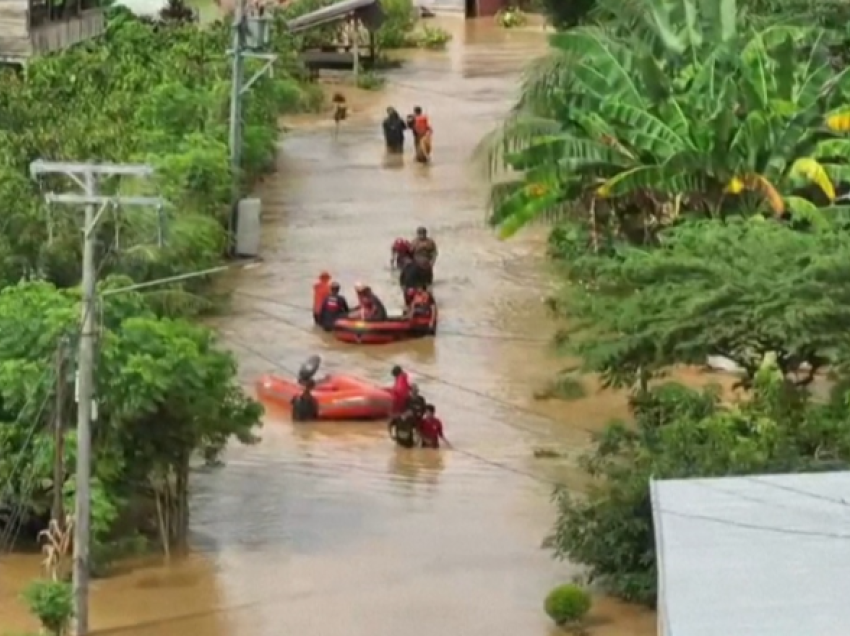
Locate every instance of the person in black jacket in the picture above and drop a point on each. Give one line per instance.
(305, 408)
(413, 276)
(394, 128)
(334, 307)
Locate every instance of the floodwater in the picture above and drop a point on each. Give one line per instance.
(329, 529)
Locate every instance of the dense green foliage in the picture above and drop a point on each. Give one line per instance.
(682, 433)
(567, 604)
(142, 94)
(52, 602)
(629, 129)
(151, 93)
(694, 155)
(741, 290)
(164, 391)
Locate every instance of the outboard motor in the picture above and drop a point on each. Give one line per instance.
(309, 369)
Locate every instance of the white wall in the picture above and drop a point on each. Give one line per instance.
(145, 8)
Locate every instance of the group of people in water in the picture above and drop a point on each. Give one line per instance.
(413, 421)
(420, 127)
(415, 259)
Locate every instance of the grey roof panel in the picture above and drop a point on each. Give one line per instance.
(326, 15)
(754, 556)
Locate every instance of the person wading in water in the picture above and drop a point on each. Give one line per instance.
(422, 133)
(394, 128)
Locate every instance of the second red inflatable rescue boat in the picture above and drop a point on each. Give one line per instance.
(339, 397)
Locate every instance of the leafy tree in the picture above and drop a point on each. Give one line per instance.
(700, 113)
(164, 389)
(155, 93)
(743, 290)
(682, 433)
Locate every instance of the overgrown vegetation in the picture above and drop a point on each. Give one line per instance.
(152, 93)
(693, 158)
(567, 605)
(511, 18)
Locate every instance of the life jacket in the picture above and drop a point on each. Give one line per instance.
(421, 125)
(402, 247)
(421, 305)
(333, 304)
(321, 290)
(368, 310)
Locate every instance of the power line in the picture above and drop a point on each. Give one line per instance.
(480, 458)
(443, 332)
(436, 379)
(565, 487)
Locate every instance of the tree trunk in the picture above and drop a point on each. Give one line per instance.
(182, 505)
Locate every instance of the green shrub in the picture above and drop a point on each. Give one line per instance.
(567, 604)
(433, 38)
(52, 603)
(370, 81)
(395, 32)
(511, 18)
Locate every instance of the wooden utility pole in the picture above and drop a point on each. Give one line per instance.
(59, 436)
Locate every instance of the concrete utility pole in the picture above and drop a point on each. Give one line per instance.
(250, 36)
(86, 176)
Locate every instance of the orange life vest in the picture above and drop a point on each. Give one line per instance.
(321, 290)
(421, 125)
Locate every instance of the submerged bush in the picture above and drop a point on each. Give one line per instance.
(52, 603)
(567, 604)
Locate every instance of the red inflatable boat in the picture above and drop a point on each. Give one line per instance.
(340, 397)
(356, 331)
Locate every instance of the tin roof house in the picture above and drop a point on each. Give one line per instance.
(753, 556)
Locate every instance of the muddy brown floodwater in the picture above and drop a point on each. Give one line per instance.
(329, 529)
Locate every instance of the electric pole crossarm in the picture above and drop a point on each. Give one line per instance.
(103, 199)
(39, 167)
(267, 67)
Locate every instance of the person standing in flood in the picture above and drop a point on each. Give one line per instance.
(400, 390)
(321, 290)
(423, 134)
(334, 307)
(394, 128)
(431, 429)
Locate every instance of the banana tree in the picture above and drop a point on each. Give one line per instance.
(715, 120)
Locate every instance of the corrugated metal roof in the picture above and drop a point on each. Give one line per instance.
(754, 556)
(326, 15)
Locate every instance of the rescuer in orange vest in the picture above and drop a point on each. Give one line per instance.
(321, 290)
